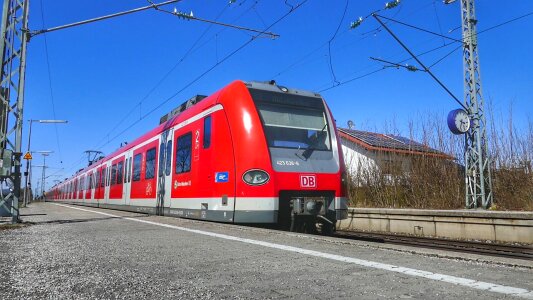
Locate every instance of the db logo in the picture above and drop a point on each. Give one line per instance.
(308, 181)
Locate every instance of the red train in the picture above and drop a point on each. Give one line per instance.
(250, 153)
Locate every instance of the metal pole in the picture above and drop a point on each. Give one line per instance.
(477, 162)
(43, 178)
(27, 173)
(13, 42)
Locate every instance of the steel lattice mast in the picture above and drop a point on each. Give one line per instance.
(13, 43)
(477, 163)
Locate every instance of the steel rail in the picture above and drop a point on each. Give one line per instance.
(472, 247)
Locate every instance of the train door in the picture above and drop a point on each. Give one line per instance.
(219, 171)
(89, 186)
(100, 184)
(107, 177)
(127, 178)
(116, 185)
(164, 179)
(75, 197)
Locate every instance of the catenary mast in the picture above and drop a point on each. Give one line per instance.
(477, 163)
(13, 43)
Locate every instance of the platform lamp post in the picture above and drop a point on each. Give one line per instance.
(28, 157)
(44, 154)
(43, 180)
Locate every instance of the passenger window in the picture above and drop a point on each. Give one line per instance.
(120, 171)
(183, 153)
(150, 164)
(161, 158)
(129, 169)
(207, 132)
(168, 163)
(114, 174)
(102, 177)
(137, 167)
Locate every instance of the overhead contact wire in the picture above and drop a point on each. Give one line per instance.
(211, 68)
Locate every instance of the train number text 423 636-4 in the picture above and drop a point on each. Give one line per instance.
(287, 163)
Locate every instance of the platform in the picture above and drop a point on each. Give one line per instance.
(79, 252)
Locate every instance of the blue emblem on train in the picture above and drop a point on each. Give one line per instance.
(221, 176)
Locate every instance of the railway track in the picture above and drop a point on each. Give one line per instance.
(500, 250)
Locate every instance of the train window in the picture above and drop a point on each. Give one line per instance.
(120, 171)
(183, 153)
(91, 181)
(126, 170)
(168, 163)
(102, 177)
(137, 167)
(161, 158)
(130, 162)
(207, 132)
(129, 169)
(294, 126)
(114, 174)
(150, 164)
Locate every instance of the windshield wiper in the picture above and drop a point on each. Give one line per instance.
(313, 142)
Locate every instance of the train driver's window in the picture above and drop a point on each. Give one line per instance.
(207, 132)
(137, 167)
(183, 153)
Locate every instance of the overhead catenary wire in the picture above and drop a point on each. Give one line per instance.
(191, 17)
(37, 32)
(163, 78)
(50, 85)
(209, 69)
(331, 40)
(195, 47)
(438, 20)
(301, 60)
(429, 51)
(382, 68)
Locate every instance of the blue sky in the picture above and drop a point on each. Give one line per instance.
(97, 75)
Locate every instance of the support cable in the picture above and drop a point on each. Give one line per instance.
(421, 29)
(52, 98)
(209, 70)
(438, 20)
(429, 51)
(165, 76)
(37, 32)
(377, 17)
(331, 40)
(192, 17)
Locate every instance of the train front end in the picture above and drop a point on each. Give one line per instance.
(305, 171)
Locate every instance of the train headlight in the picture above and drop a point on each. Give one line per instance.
(255, 177)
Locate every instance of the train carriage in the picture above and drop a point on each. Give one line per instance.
(250, 153)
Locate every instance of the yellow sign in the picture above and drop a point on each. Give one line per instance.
(27, 155)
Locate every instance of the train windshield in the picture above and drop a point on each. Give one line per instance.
(293, 121)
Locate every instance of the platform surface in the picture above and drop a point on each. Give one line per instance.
(77, 252)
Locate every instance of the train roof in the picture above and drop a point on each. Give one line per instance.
(191, 107)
